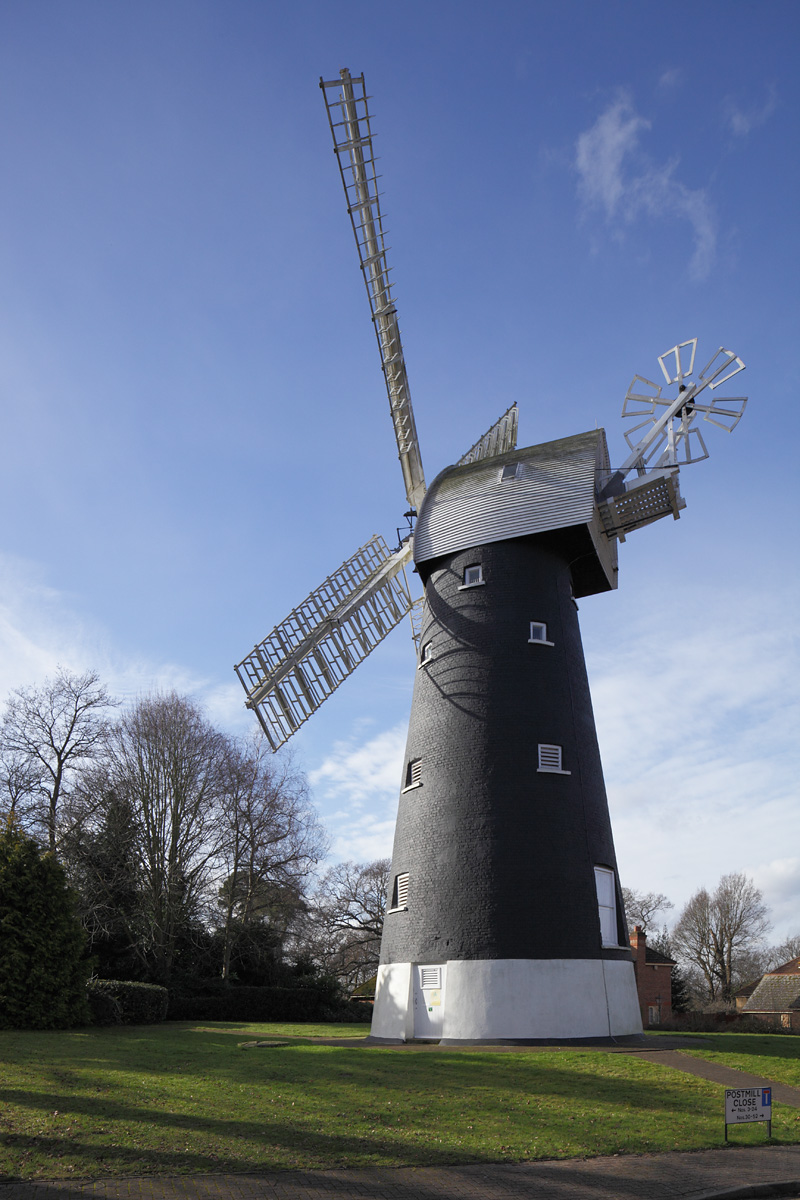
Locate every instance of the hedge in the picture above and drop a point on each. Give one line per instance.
(262, 1004)
(119, 1002)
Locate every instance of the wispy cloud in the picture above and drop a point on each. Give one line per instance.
(40, 630)
(779, 880)
(617, 178)
(698, 736)
(742, 121)
(356, 789)
(601, 152)
(671, 78)
(356, 773)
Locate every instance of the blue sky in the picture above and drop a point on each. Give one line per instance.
(192, 407)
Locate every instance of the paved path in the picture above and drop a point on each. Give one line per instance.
(719, 1074)
(733, 1171)
(723, 1174)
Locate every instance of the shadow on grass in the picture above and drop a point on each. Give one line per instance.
(416, 1093)
(280, 1141)
(421, 1093)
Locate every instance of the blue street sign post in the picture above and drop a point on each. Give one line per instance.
(748, 1104)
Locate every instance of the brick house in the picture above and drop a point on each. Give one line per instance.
(653, 972)
(776, 998)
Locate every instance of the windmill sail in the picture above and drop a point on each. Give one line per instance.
(305, 658)
(499, 439)
(350, 122)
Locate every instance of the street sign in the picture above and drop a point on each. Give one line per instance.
(748, 1104)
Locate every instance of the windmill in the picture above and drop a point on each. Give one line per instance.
(505, 919)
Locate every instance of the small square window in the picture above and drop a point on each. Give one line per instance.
(473, 575)
(400, 891)
(426, 654)
(539, 633)
(510, 471)
(550, 760)
(413, 774)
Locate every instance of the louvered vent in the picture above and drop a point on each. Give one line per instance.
(549, 758)
(401, 891)
(430, 977)
(414, 773)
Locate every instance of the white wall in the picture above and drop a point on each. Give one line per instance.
(499, 999)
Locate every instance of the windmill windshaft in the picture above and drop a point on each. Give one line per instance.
(350, 124)
(303, 660)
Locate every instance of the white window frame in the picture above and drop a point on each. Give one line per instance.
(510, 471)
(479, 582)
(607, 913)
(426, 654)
(539, 641)
(413, 775)
(549, 756)
(400, 892)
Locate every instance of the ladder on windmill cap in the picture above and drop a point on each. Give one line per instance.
(498, 440)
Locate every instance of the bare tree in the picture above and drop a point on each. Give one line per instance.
(716, 932)
(99, 850)
(18, 788)
(784, 953)
(47, 734)
(347, 919)
(270, 840)
(163, 764)
(641, 907)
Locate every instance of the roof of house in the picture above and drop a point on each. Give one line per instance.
(778, 991)
(365, 990)
(792, 967)
(747, 989)
(657, 958)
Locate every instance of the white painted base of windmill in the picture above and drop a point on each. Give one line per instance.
(506, 1000)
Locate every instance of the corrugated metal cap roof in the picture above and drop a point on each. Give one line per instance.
(554, 487)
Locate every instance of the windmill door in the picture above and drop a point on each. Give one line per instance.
(429, 992)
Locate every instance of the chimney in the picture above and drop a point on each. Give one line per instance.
(639, 948)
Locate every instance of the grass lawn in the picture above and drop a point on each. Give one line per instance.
(181, 1098)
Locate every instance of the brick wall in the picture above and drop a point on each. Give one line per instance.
(653, 981)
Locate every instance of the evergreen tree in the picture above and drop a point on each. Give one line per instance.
(42, 977)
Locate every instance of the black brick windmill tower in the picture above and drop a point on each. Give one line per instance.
(505, 920)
